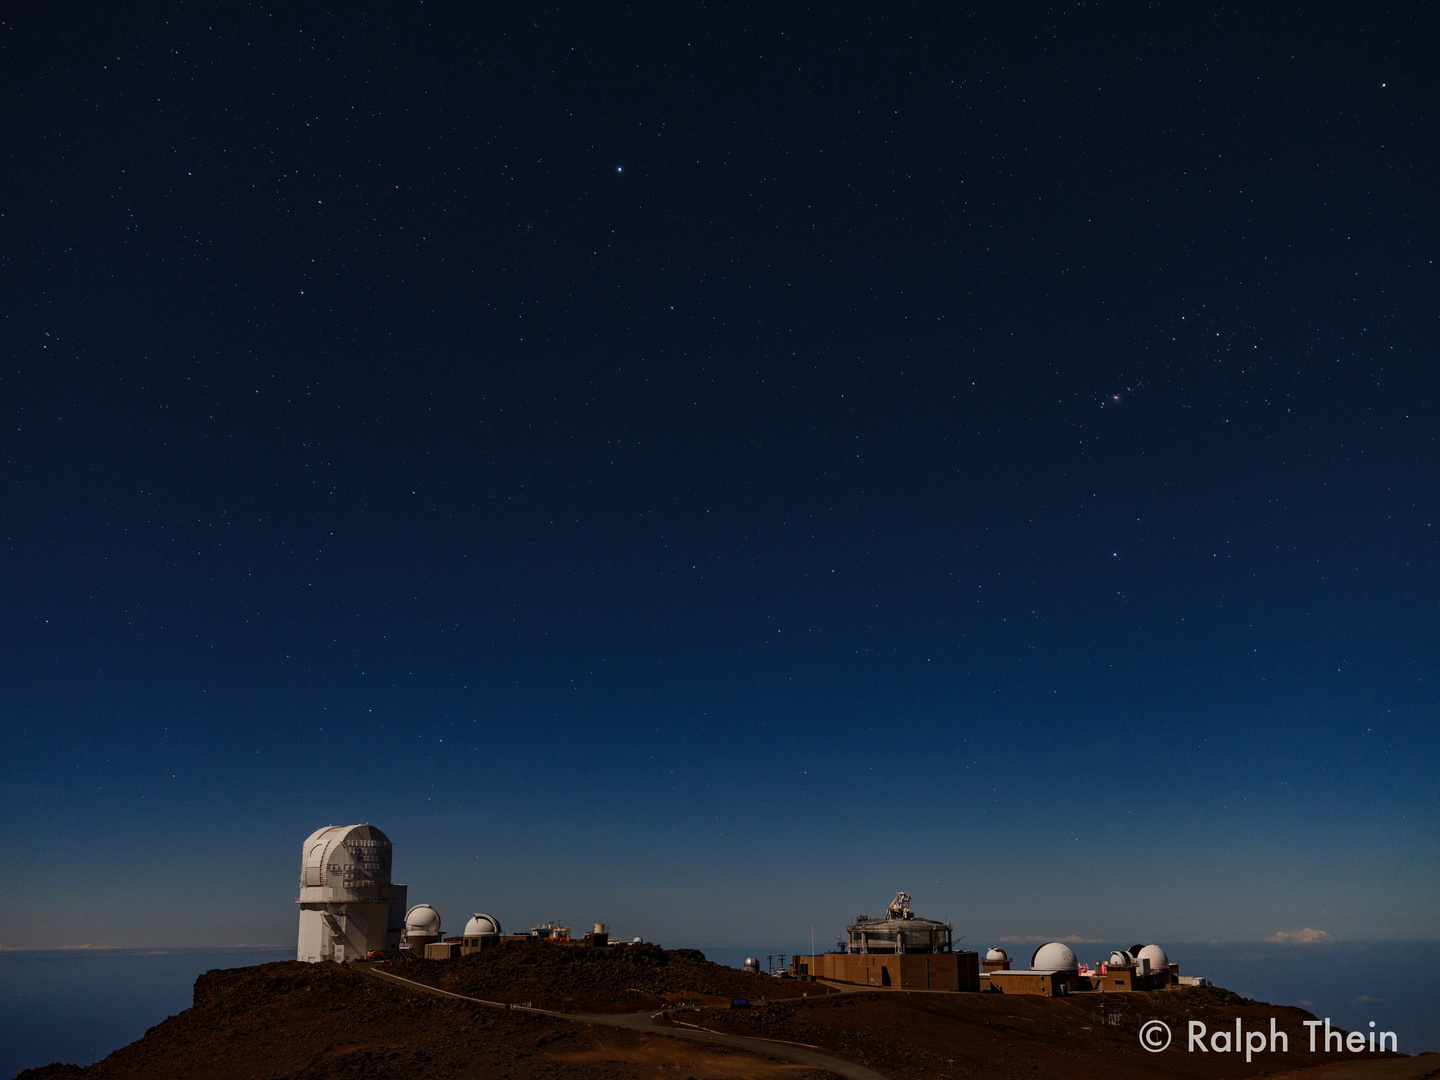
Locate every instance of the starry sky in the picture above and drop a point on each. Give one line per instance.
(707, 468)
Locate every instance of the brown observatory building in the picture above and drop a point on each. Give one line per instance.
(900, 950)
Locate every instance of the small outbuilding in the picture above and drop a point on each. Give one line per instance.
(996, 959)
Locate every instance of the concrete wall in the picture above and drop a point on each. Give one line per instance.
(346, 932)
(1119, 979)
(1027, 982)
(909, 971)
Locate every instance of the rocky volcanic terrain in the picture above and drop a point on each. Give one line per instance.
(293, 1021)
(622, 978)
(917, 1036)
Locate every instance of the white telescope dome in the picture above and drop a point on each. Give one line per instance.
(422, 920)
(482, 925)
(997, 954)
(1119, 956)
(1156, 955)
(1054, 956)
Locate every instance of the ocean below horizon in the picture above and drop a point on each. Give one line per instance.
(80, 1005)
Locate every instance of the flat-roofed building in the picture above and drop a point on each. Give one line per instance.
(901, 950)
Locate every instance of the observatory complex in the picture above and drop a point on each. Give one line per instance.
(351, 910)
(907, 952)
(1055, 970)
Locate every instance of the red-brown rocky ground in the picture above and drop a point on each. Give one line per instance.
(920, 1036)
(293, 1021)
(573, 978)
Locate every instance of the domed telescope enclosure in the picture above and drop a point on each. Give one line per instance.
(900, 931)
(1054, 956)
(1159, 962)
(996, 959)
(348, 905)
(480, 931)
(422, 927)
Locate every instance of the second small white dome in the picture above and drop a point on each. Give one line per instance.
(482, 925)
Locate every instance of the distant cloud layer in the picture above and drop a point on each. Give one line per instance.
(1072, 939)
(53, 948)
(1301, 937)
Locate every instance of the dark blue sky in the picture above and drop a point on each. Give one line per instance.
(708, 470)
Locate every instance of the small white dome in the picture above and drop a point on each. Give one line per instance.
(482, 925)
(1121, 957)
(1054, 956)
(752, 963)
(1156, 955)
(997, 954)
(422, 919)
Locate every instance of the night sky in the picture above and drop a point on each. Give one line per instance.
(708, 468)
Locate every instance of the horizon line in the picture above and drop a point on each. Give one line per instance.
(119, 948)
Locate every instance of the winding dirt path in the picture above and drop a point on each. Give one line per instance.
(645, 1022)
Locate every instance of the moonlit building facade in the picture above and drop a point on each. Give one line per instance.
(348, 905)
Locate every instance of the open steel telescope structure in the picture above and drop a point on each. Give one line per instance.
(348, 905)
(900, 931)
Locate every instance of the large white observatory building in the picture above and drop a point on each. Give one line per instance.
(347, 904)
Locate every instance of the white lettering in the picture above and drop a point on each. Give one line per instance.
(1337, 1041)
(1280, 1036)
(1254, 1040)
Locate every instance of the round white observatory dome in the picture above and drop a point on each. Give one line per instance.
(997, 954)
(422, 920)
(1156, 955)
(1054, 956)
(1121, 957)
(482, 925)
(752, 963)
